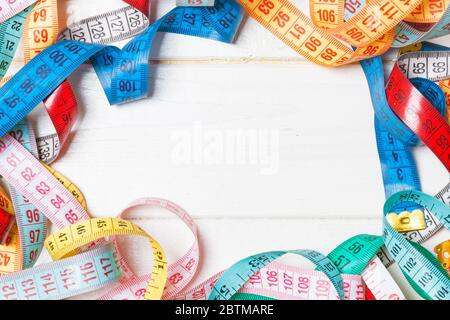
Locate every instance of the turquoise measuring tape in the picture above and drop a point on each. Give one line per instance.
(421, 268)
(237, 275)
(350, 257)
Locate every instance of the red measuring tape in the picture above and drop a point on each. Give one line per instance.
(419, 115)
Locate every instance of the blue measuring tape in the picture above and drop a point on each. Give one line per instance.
(219, 22)
(398, 167)
(374, 71)
(122, 73)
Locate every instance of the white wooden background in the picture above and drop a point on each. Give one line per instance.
(328, 185)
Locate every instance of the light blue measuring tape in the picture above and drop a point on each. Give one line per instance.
(66, 278)
(10, 34)
(238, 274)
(122, 73)
(421, 268)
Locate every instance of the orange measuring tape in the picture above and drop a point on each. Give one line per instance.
(370, 31)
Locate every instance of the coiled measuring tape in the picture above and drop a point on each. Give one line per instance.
(123, 74)
(422, 269)
(180, 273)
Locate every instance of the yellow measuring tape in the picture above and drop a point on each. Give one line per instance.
(65, 242)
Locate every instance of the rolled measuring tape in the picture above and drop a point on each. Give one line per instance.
(413, 108)
(10, 35)
(180, 273)
(341, 259)
(257, 277)
(233, 279)
(423, 271)
(12, 8)
(190, 261)
(187, 265)
(109, 27)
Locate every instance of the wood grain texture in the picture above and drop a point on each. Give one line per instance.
(326, 185)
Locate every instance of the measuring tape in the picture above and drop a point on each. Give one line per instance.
(421, 268)
(284, 282)
(109, 27)
(429, 11)
(380, 282)
(233, 279)
(62, 279)
(8, 9)
(123, 74)
(41, 28)
(407, 32)
(65, 242)
(369, 28)
(352, 256)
